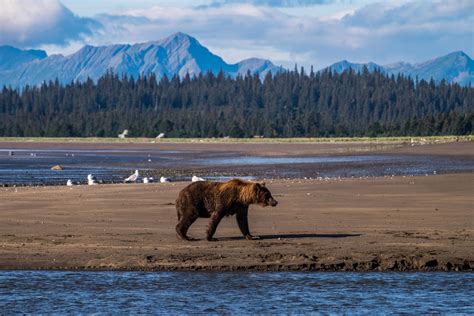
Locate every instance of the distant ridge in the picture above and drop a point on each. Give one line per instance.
(11, 57)
(456, 67)
(182, 54)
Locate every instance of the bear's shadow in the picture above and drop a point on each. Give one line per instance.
(293, 236)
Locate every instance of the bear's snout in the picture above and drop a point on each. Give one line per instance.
(273, 202)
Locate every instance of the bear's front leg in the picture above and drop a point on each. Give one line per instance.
(213, 222)
(242, 221)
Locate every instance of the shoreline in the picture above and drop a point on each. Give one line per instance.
(258, 140)
(375, 224)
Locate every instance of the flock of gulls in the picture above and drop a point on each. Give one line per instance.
(92, 180)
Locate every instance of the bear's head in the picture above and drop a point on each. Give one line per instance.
(263, 195)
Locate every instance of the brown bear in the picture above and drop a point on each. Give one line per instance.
(215, 200)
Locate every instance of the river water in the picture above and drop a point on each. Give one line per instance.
(59, 292)
(33, 166)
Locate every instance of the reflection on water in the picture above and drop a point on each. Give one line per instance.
(223, 293)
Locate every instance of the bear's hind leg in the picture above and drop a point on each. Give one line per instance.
(216, 217)
(183, 225)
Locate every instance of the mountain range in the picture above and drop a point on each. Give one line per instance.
(182, 54)
(177, 54)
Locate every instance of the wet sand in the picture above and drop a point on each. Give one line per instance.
(373, 224)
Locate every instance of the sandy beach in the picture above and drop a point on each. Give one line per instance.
(373, 224)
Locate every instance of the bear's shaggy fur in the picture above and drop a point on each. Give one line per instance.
(215, 200)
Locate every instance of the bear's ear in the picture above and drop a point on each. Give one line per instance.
(262, 184)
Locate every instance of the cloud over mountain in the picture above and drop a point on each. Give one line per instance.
(381, 31)
(30, 23)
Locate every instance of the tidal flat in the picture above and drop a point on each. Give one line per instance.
(388, 220)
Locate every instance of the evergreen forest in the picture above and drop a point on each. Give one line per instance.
(288, 104)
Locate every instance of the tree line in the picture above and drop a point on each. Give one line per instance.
(288, 104)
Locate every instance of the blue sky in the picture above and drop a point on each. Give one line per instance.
(306, 32)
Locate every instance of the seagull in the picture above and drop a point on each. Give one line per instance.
(91, 180)
(146, 180)
(69, 183)
(132, 178)
(163, 179)
(196, 179)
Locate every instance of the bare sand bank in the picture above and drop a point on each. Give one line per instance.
(374, 224)
(263, 148)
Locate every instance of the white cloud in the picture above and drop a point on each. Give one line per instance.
(29, 23)
(381, 32)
